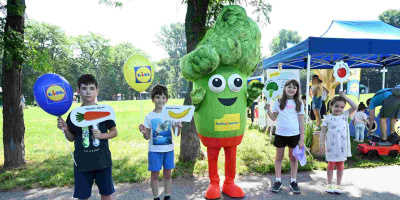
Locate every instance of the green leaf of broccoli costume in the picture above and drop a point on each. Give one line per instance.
(219, 68)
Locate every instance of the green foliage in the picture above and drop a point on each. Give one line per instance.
(261, 8)
(172, 39)
(375, 78)
(303, 79)
(15, 50)
(308, 135)
(391, 16)
(111, 3)
(279, 42)
(49, 52)
(53, 51)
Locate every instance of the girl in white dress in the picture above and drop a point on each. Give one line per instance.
(335, 139)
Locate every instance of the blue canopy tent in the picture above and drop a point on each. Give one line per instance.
(361, 44)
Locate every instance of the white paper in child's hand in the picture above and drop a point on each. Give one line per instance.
(178, 113)
(91, 115)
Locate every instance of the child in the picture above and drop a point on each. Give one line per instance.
(289, 111)
(359, 121)
(335, 129)
(161, 146)
(329, 108)
(316, 104)
(324, 97)
(303, 99)
(92, 162)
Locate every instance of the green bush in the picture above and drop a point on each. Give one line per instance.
(308, 135)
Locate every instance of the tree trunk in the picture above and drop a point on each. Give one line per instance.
(13, 117)
(195, 22)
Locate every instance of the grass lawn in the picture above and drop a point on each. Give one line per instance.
(49, 163)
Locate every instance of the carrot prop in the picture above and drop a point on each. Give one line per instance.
(91, 115)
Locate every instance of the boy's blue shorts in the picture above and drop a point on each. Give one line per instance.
(159, 159)
(84, 182)
(316, 102)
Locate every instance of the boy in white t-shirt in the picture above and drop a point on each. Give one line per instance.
(161, 146)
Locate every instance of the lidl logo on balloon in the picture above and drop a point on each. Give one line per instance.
(55, 93)
(143, 74)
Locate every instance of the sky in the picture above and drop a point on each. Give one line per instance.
(139, 21)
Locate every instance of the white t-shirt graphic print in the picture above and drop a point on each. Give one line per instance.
(288, 119)
(160, 133)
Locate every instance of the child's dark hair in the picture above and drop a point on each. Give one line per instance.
(361, 106)
(303, 97)
(159, 90)
(87, 79)
(329, 107)
(368, 101)
(296, 97)
(315, 77)
(336, 99)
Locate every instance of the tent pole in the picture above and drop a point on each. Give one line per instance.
(383, 76)
(308, 85)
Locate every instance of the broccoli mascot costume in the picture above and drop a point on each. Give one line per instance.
(219, 67)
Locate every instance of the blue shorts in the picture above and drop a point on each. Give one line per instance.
(159, 159)
(316, 103)
(84, 182)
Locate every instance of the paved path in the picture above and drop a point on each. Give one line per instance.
(381, 183)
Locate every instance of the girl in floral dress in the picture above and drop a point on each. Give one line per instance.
(335, 139)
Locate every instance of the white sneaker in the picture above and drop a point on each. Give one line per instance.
(338, 189)
(330, 188)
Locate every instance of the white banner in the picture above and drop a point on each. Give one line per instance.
(276, 80)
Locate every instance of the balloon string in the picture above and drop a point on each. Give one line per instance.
(141, 108)
(66, 140)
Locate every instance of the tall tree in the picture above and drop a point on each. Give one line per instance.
(195, 22)
(281, 41)
(200, 15)
(50, 52)
(172, 39)
(391, 17)
(14, 53)
(91, 53)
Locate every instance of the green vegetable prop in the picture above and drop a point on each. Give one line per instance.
(272, 87)
(219, 68)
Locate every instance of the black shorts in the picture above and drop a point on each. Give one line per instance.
(290, 141)
(391, 107)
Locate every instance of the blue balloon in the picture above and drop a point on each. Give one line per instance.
(53, 94)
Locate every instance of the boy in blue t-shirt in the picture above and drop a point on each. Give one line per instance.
(161, 146)
(93, 159)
